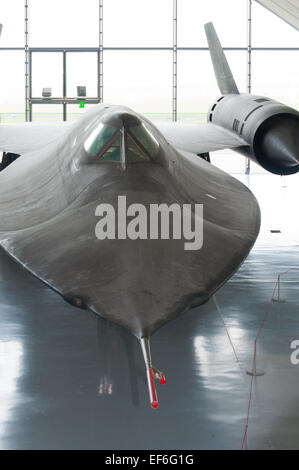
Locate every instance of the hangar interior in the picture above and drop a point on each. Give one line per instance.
(72, 380)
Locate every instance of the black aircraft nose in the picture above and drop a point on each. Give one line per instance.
(278, 145)
(120, 118)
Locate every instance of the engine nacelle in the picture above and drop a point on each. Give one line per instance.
(271, 130)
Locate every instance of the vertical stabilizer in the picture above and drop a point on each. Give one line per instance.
(224, 76)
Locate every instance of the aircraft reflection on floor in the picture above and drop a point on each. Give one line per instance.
(11, 367)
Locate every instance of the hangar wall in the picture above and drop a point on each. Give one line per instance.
(138, 52)
(149, 55)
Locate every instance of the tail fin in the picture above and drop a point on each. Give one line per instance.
(224, 76)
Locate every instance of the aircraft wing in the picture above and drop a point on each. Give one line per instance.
(201, 138)
(27, 137)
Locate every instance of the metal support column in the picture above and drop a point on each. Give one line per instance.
(249, 47)
(249, 71)
(100, 81)
(175, 55)
(64, 87)
(30, 85)
(27, 97)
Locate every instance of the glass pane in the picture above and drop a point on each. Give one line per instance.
(74, 112)
(100, 138)
(144, 140)
(135, 23)
(47, 72)
(47, 112)
(134, 151)
(112, 154)
(82, 70)
(275, 74)
(12, 86)
(12, 14)
(141, 80)
(193, 15)
(64, 23)
(197, 86)
(270, 31)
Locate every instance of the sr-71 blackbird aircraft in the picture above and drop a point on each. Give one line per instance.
(49, 199)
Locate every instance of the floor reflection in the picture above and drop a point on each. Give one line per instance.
(11, 367)
(118, 349)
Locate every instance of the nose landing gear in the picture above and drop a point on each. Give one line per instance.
(151, 372)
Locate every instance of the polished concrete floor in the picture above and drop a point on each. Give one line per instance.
(70, 380)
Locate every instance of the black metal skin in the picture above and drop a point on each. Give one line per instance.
(270, 128)
(47, 223)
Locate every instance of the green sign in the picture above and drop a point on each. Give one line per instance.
(82, 104)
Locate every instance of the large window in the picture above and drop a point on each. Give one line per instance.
(139, 79)
(276, 74)
(198, 88)
(139, 23)
(12, 18)
(47, 73)
(47, 112)
(82, 70)
(193, 14)
(63, 23)
(12, 86)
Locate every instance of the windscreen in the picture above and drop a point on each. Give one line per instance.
(106, 143)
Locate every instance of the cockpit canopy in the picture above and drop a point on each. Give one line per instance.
(124, 139)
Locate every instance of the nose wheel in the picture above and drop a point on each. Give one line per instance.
(152, 373)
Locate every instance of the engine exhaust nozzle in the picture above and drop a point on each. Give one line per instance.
(277, 145)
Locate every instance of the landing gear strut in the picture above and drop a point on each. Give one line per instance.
(151, 372)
